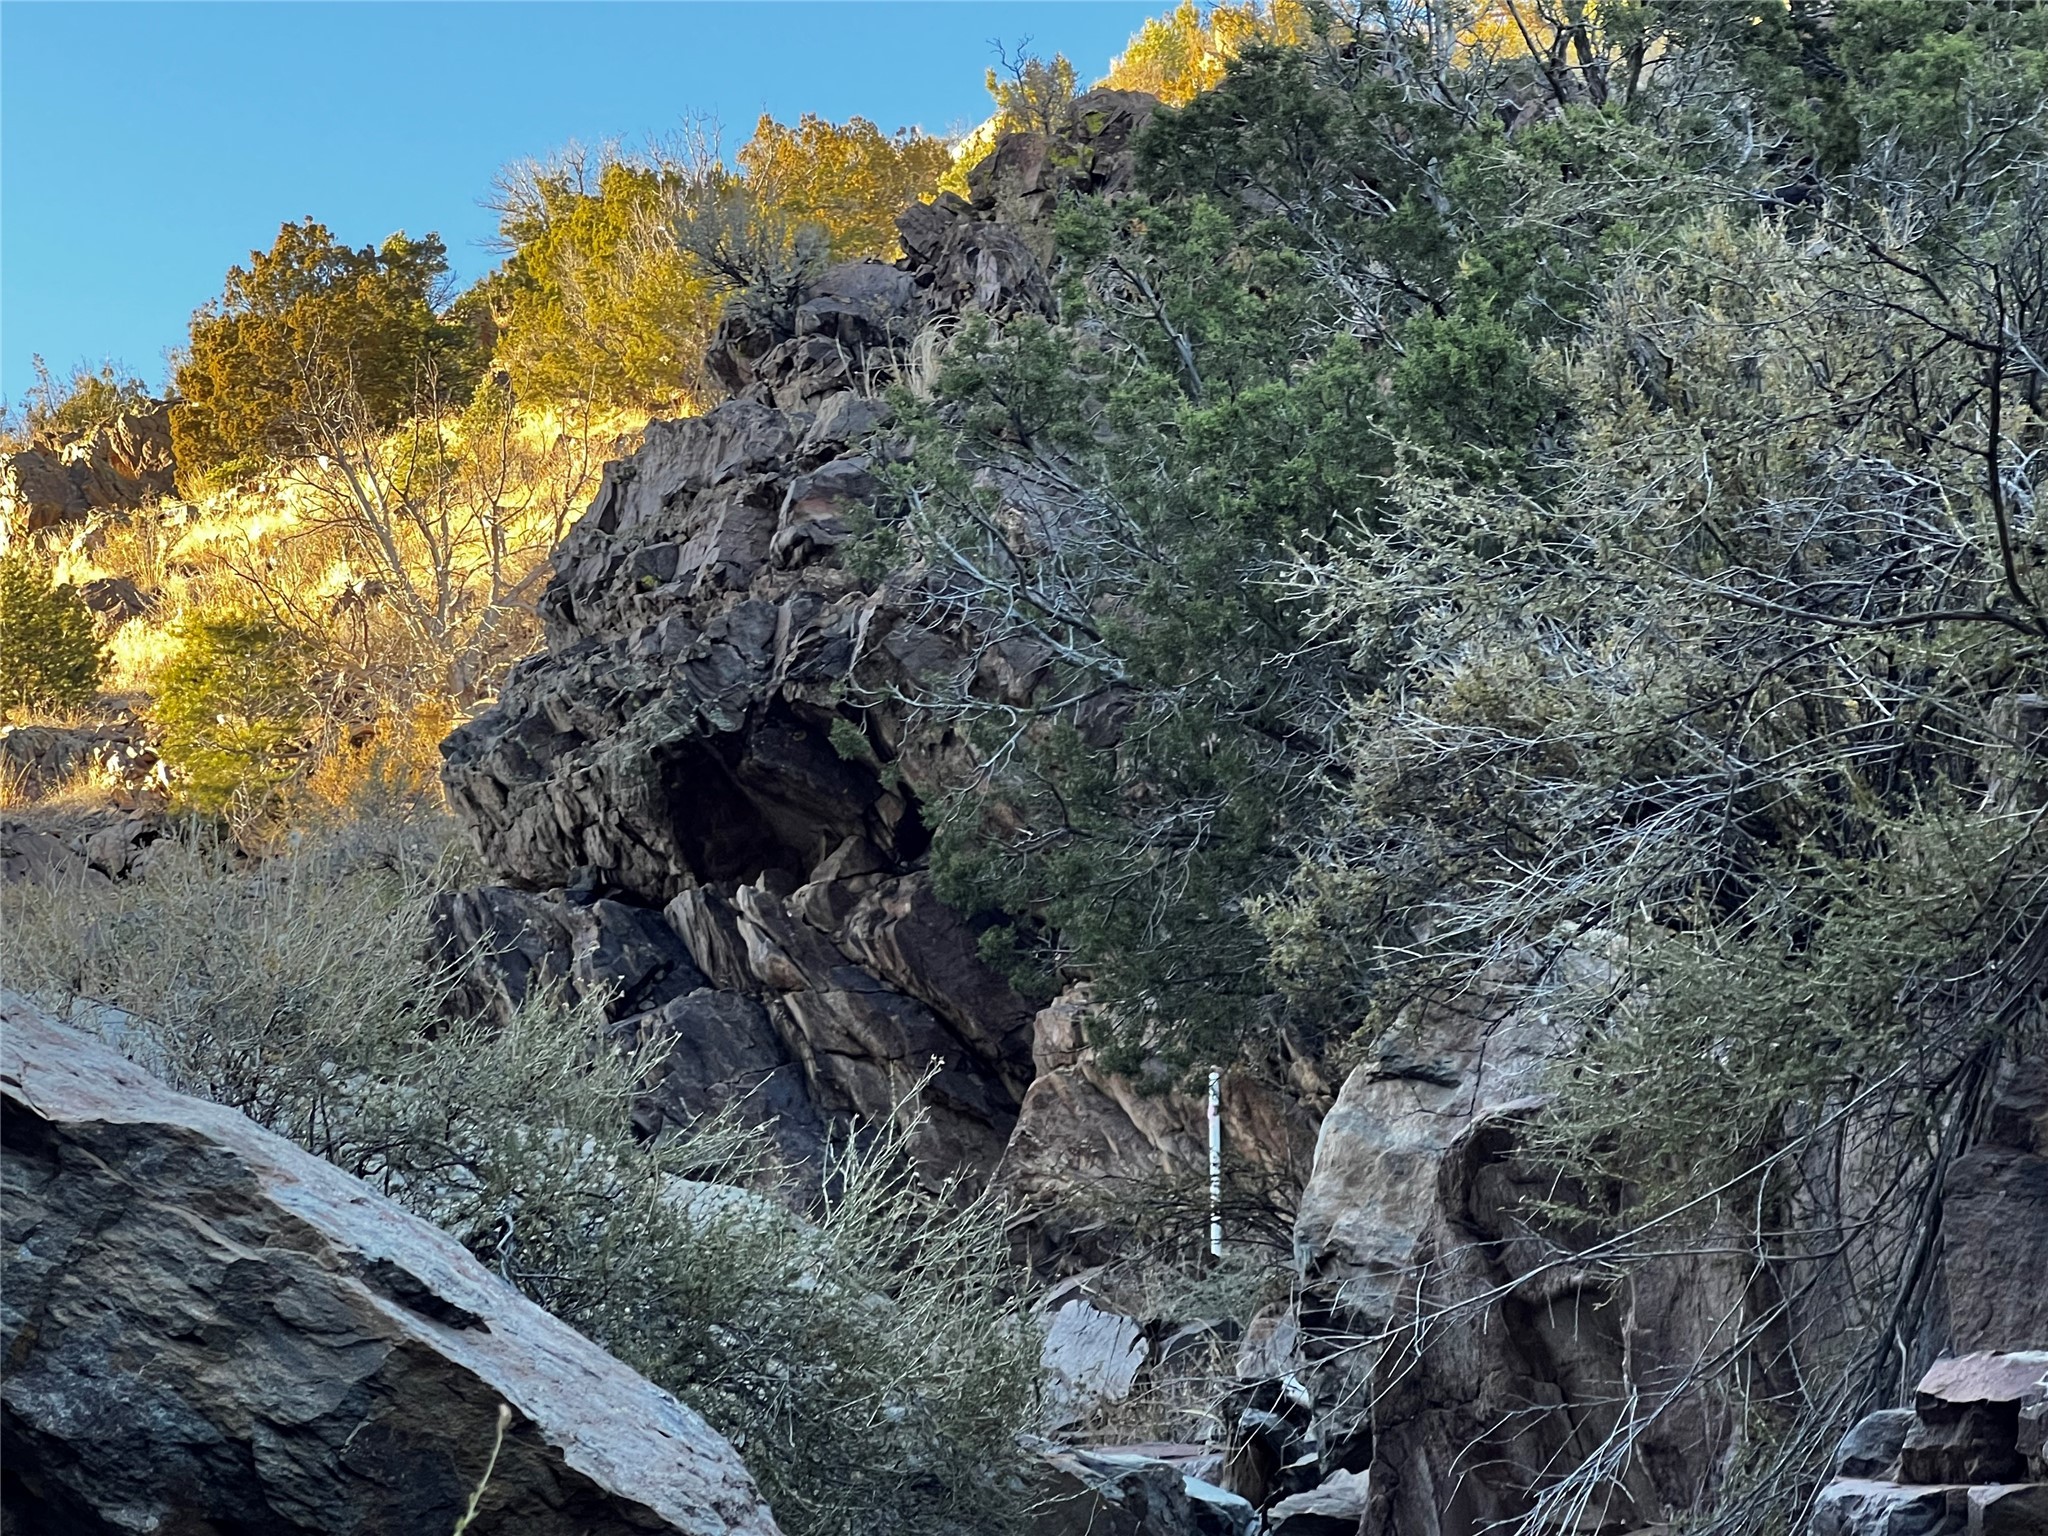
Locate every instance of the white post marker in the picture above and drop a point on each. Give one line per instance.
(1215, 1163)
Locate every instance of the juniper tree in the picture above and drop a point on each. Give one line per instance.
(51, 656)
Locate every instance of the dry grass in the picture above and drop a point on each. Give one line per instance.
(384, 687)
(872, 1366)
(83, 789)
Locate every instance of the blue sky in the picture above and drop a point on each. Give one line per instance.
(144, 148)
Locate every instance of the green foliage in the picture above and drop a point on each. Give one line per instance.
(849, 177)
(1938, 74)
(1480, 533)
(54, 412)
(870, 1365)
(1844, 82)
(234, 711)
(1722, 756)
(50, 651)
(595, 301)
(1467, 384)
(1123, 809)
(1239, 367)
(306, 326)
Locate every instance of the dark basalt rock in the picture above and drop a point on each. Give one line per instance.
(681, 746)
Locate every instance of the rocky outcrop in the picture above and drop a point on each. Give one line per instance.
(1965, 1460)
(1443, 1328)
(688, 747)
(101, 846)
(117, 467)
(749, 1009)
(208, 1329)
(706, 759)
(681, 750)
(1443, 1324)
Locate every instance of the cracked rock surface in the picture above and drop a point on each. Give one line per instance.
(209, 1329)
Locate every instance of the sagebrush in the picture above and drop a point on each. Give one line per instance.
(868, 1359)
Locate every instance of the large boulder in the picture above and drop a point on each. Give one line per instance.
(209, 1329)
(126, 463)
(1436, 1295)
(1955, 1463)
(1967, 1418)
(1445, 1328)
(37, 493)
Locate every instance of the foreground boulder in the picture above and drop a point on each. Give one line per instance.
(209, 1329)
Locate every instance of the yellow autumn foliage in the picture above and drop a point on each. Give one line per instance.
(1178, 56)
(849, 177)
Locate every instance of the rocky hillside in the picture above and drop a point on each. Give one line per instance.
(708, 806)
(702, 799)
(694, 801)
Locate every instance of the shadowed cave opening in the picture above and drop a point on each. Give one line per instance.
(777, 796)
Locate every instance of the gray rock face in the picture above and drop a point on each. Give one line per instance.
(523, 942)
(1091, 1357)
(1417, 1212)
(1871, 1449)
(1335, 1507)
(675, 733)
(1417, 1206)
(1855, 1507)
(1995, 1222)
(1086, 1137)
(208, 1329)
(2008, 1509)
